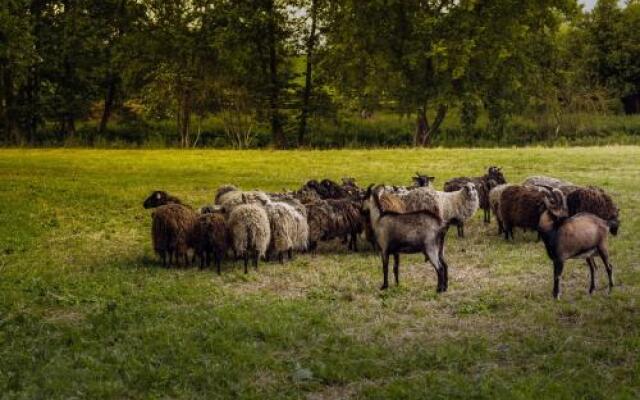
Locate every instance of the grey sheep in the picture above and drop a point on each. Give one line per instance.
(453, 207)
(494, 202)
(289, 229)
(546, 181)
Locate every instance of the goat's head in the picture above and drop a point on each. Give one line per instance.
(556, 210)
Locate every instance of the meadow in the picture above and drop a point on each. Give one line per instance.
(86, 311)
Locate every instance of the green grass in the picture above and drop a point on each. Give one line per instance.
(86, 312)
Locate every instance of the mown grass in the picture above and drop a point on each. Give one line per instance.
(85, 311)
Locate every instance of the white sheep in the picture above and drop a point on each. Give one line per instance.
(250, 232)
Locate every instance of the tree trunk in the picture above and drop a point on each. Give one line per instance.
(109, 100)
(277, 130)
(308, 82)
(425, 134)
(7, 104)
(184, 117)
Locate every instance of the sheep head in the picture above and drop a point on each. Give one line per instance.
(156, 199)
(421, 180)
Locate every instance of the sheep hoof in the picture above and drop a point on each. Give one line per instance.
(384, 286)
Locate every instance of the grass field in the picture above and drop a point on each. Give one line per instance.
(86, 312)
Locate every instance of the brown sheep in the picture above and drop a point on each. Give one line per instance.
(171, 228)
(160, 198)
(521, 206)
(595, 201)
(209, 237)
(330, 219)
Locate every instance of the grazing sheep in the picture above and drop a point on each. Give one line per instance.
(414, 232)
(483, 184)
(453, 207)
(289, 229)
(171, 228)
(209, 238)
(595, 201)
(290, 200)
(494, 202)
(330, 219)
(160, 198)
(250, 231)
(581, 236)
(521, 206)
(546, 181)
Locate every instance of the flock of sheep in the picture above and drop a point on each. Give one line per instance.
(572, 221)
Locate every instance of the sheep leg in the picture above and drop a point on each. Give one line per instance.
(396, 267)
(281, 257)
(460, 229)
(487, 215)
(604, 255)
(354, 238)
(256, 256)
(558, 266)
(432, 254)
(592, 272)
(385, 270)
(246, 261)
(163, 255)
(203, 259)
(290, 254)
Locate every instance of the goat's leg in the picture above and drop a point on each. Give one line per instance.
(592, 274)
(558, 266)
(396, 267)
(604, 254)
(385, 270)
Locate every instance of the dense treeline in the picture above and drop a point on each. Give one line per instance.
(278, 72)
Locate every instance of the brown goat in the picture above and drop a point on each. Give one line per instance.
(521, 206)
(581, 236)
(595, 201)
(171, 228)
(413, 232)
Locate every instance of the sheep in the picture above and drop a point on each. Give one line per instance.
(329, 219)
(580, 236)
(160, 198)
(290, 200)
(415, 232)
(453, 207)
(548, 181)
(208, 237)
(230, 197)
(421, 180)
(289, 229)
(483, 184)
(520, 206)
(171, 228)
(595, 201)
(248, 225)
(391, 202)
(494, 203)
